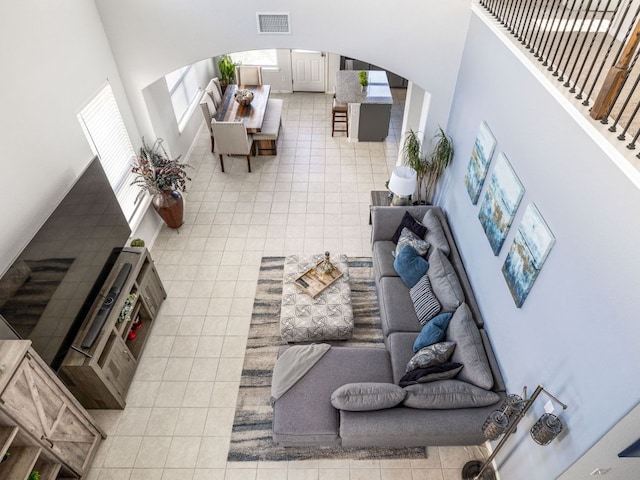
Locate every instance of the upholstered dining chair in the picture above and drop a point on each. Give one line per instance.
(214, 91)
(248, 75)
(232, 139)
(208, 112)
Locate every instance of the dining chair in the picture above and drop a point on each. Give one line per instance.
(232, 139)
(339, 115)
(208, 111)
(248, 75)
(213, 91)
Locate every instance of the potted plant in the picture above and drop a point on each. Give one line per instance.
(34, 475)
(363, 79)
(227, 69)
(428, 167)
(164, 178)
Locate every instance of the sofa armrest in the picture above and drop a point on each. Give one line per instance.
(385, 220)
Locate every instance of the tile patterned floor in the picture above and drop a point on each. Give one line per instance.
(313, 196)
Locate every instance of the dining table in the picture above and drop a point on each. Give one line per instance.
(252, 115)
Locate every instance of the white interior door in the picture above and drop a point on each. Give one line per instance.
(308, 71)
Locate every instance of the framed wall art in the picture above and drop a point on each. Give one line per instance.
(479, 162)
(529, 250)
(500, 203)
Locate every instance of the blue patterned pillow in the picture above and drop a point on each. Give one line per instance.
(433, 332)
(410, 266)
(424, 300)
(407, 237)
(431, 355)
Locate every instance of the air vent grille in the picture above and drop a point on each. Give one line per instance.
(270, 23)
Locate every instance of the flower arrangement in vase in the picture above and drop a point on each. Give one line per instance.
(164, 178)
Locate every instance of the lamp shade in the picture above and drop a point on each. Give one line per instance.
(403, 181)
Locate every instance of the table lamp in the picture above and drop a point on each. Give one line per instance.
(402, 184)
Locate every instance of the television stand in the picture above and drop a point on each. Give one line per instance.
(99, 366)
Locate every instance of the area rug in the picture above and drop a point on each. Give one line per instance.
(251, 435)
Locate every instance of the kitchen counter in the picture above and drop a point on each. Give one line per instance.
(369, 110)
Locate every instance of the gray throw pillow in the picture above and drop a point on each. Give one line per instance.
(424, 300)
(431, 355)
(407, 237)
(435, 233)
(360, 397)
(446, 394)
(470, 351)
(444, 281)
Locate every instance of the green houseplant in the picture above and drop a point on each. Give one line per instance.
(34, 475)
(363, 79)
(164, 178)
(430, 167)
(227, 69)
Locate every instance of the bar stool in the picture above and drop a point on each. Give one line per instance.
(339, 113)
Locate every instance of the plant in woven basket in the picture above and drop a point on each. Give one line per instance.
(156, 172)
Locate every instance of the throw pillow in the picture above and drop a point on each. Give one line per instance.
(444, 281)
(470, 352)
(407, 237)
(424, 300)
(442, 371)
(435, 233)
(410, 266)
(433, 332)
(446, 394)
(412, 224)
(431, 355)
(360, 397)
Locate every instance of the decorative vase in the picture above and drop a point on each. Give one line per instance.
(243, 96)
(170, 206)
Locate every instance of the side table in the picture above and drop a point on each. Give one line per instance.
(379, 198)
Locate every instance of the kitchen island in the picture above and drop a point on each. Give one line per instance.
(369, 109)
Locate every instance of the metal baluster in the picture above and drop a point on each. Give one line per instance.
(575, 42)
(518, 19)
(606, 55)
(512, 7)
(577, 57)
(523, 19)
(555, 34)
(529, 22)
(597, 54)
(500, 8)
(612, 128)
(500, 14)
(543, 29)
(564, 31)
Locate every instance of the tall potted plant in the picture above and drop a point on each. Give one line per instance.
(227, 69)
(430, 167)
(164, 178)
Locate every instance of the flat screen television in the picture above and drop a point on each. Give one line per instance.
(46, 294)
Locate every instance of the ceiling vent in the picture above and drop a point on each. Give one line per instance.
(273, 23)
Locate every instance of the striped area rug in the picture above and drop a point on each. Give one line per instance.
(251, 434)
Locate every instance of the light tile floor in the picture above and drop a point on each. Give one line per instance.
(313, 196)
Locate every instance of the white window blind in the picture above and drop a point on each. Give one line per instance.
(183, 88)
(105, 130)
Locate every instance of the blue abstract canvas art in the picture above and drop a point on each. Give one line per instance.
(478, 166)
(500, 203)
(527, 254)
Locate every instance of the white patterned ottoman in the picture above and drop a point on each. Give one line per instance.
(329, 316)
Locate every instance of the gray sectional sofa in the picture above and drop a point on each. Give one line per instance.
(363, 382)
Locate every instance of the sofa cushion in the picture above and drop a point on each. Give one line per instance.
(470, 351)
(412, 224)
(433, 332)
(383, 259)
(431, 355)
(407, 237)
(447, 394)
(396, 308)
(424, 300)
(361, 397)
(410, 265)
(441, 371)
(435, 233)
(444, 281)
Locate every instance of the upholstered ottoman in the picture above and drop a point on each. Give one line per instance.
(328, 316)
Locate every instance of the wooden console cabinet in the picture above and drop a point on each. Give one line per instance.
(42, 426)
(99, 376)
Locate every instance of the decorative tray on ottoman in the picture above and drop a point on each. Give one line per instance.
(313, 283)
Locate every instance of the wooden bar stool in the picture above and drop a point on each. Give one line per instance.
(340, 115)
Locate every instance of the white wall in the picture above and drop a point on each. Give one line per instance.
(421, 41)
(55, 58)
(577, 332)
